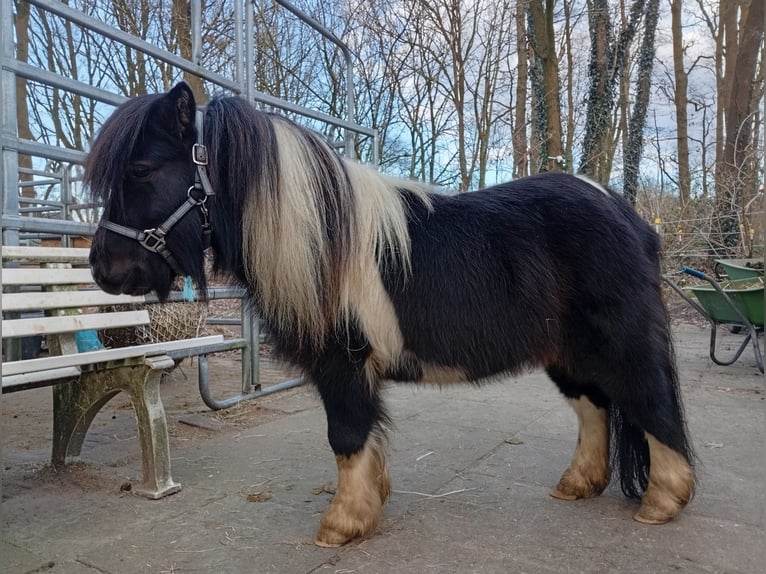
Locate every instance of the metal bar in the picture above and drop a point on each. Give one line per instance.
(35, 183)
(82, 19)
(62, 82)
(44, 225)
(41, 150)
(216, 405)
(224, 321)
(213, 294)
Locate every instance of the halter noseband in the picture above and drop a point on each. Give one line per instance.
(154, 239)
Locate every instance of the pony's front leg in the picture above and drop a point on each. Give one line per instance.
(354, 416)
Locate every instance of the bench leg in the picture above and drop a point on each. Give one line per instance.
(75, 406)
(153, 434)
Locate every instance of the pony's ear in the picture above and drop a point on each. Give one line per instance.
(184, 107)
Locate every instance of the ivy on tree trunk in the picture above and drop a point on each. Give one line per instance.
(635, 142)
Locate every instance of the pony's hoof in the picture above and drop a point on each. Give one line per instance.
(327, 538)
(574, 485)
(339, 526)
(650, 519)
(556, 493)
(657, 510)
(334, 535)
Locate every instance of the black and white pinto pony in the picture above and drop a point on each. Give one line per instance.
(361, 278)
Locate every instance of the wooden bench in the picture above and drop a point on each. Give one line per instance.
(47, 284)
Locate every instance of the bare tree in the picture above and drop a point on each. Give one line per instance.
(608, 56)
(736, 170)
(680, 100)
(542, 39)
(21, 27)
(635, 136)
(520, 152)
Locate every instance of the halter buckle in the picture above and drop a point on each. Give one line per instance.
(199, 154)
(153, 240)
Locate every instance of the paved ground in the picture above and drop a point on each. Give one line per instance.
(471, 469)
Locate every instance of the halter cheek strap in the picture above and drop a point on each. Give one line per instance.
(154, 239)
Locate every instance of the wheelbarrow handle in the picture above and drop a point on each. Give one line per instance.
(693, 272)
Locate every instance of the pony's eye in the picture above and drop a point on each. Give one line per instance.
(141, 172)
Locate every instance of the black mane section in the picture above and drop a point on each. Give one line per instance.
(242, 153)
(107, 163)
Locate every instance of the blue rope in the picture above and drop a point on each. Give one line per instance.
(188, 291)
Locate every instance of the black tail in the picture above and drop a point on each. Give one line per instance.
(630, 449)
(630, 453)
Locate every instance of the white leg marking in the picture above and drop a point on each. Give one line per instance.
(671, 484)
(363, 486)
(588, 473)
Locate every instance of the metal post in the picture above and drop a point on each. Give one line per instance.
(249, 47)
(250, 354)
(238, 23)
(196, 31)
(9, 164)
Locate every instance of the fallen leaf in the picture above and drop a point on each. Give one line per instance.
(258, 496)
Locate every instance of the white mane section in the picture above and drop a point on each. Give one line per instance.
(592, 183)
(302, 283)
(381, 227)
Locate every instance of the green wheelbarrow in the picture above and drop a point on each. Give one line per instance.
(737, 304)
(736, 269)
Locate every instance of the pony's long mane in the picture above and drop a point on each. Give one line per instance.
(314, 225)
(118, 137)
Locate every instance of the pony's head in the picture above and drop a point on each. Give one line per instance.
(142, 169)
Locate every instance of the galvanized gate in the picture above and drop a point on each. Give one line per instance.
(54, 172)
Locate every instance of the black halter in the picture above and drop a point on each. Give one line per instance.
(154, 239)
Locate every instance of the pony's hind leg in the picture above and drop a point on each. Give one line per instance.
(671, 484)
(588, 473)
(354, 417)
(648, 419)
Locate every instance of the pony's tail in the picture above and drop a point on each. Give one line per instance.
(630, 453)
(630, 449)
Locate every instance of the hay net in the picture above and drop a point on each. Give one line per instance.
(168, 322)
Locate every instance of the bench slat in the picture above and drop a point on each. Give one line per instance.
(24, 379)
(72, 323)
(37, 276)
(105, 355)
(64, 299)
(46, 254)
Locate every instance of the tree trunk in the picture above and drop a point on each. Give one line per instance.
(739, 110)
(181, 31)
(570, 121)
(637, 122)
(680, 101)
(543, 43)
(21, 24)
(600, 96)
(520, 151)
(607, 59)
(737, 166)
